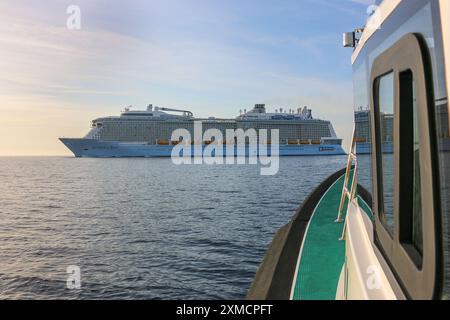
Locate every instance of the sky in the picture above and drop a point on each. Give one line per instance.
(213, 57)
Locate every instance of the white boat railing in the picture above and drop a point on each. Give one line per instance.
(350, 195)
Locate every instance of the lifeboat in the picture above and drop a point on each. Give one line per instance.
(162, 142)
(305, 142)
(360, 140)
(292, 141)
(316, 142)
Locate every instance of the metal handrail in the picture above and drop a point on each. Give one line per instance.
(349, 194)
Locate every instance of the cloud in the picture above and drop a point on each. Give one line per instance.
(53, 75)
(363, 2)
(48, 59)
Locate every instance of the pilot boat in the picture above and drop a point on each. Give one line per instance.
(385, 237)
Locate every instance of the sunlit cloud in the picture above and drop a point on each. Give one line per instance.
(53, 81)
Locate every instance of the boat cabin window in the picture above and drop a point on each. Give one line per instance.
(410, 208)
(385, 107)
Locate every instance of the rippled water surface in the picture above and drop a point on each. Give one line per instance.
(143, 228)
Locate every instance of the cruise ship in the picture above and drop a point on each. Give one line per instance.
(149, 133)
(362, 130)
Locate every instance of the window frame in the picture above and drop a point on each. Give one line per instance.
(380, 209)
(419, 281)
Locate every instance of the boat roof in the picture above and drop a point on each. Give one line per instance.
(385, 9)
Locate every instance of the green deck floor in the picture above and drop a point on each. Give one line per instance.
(323, 255)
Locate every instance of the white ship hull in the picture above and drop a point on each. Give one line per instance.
(113, 149)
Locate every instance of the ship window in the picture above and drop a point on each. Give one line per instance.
(410, 190)
(385, 107)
